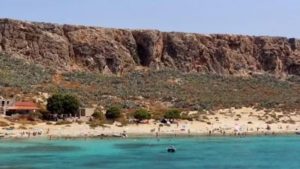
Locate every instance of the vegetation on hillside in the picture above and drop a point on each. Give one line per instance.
(18, 73)
(193, 91)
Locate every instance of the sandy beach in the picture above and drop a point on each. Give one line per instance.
(229, 122)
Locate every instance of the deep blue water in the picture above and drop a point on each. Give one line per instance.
(196, 153)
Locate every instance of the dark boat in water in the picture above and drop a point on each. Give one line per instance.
(171, 149)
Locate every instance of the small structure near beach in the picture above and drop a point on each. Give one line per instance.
(22, 108)
(86, 112)
(11, 106)
(4, 104)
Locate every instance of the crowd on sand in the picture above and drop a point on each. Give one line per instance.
(226, 122)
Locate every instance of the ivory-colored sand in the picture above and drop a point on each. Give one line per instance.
(221, 122)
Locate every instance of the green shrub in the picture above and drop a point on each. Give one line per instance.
(63, 104)
(172, 114)
(141, 114)
(98, 115)
(113, 113)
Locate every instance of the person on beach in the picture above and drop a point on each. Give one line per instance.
(157, 136)
(268, 127)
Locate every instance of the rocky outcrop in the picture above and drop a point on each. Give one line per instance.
(67, 48)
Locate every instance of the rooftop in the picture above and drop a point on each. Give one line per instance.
(23, 106)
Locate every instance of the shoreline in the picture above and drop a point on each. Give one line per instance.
(227, 122)
(145, 135)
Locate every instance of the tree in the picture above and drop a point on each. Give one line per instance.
(70, 105)
(113, 113)
(63, 104)
(142, 114)
(172, 114)
(55, 104)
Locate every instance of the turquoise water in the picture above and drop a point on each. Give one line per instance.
(197, 153)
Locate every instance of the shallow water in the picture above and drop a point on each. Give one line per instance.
(197, 153)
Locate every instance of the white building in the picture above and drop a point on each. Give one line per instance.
(4, 104)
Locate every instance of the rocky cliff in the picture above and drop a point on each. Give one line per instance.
(66, 48)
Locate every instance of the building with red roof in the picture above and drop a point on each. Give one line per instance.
(11, 106)
(22, 108)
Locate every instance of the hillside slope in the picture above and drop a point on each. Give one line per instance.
(187, 71)
(66, 48)
(151, 89)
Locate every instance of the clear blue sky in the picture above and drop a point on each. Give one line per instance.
(252, 17)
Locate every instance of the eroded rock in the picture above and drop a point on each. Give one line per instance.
(68, 48)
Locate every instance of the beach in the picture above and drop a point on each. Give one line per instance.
(225, 122)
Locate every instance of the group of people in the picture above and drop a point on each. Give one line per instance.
(31, 133)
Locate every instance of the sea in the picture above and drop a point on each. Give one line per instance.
(256, 152)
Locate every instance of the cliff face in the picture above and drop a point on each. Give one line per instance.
(67, 48)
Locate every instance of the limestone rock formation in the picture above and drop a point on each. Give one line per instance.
(67, 48)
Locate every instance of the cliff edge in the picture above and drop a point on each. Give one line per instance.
(68, 48)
